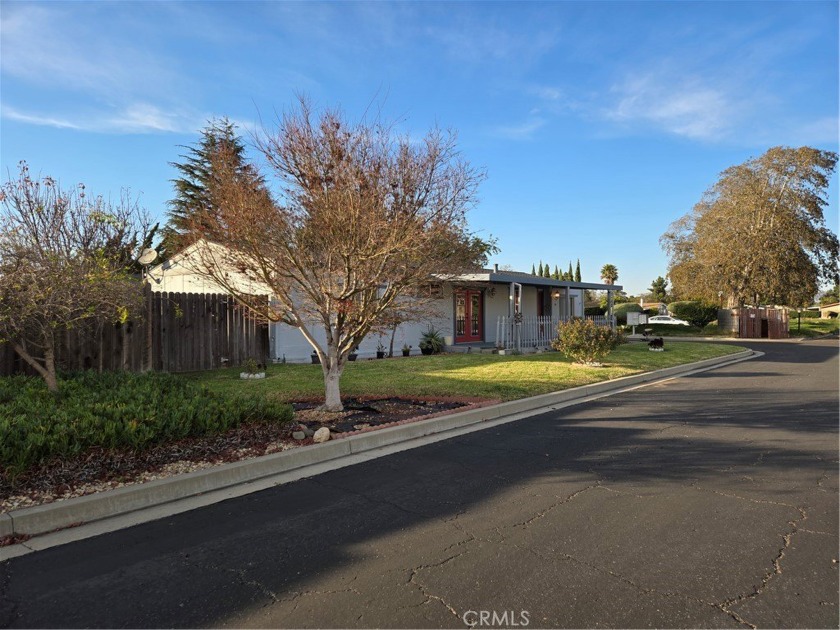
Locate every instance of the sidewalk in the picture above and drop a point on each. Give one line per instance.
(81, 517)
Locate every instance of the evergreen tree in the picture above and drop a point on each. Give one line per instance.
(192, 194)
(540, 269)
(556, 274)
(571, 274)
(659, 289)
(577, 271)
(546, 271)
(533, 270)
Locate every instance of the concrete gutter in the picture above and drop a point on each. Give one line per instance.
(178, 493)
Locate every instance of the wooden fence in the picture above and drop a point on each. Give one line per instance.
(189, 332)
(755, 323)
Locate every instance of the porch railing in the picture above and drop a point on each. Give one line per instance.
(532, 331)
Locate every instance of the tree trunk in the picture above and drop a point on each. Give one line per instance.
(49, 361)
(332, 378)
(393, 334)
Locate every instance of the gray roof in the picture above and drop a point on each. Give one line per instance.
(506, 277)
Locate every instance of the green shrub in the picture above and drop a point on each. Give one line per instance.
(583, 341)
(620, 311)
(594, 310)
(651, 312)
(695, 313)
(114, 410)
(432, 340)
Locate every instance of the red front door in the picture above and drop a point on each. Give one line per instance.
(468, 316)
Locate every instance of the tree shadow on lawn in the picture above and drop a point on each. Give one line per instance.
(211, 565)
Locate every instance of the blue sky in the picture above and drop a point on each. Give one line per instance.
(598, 123)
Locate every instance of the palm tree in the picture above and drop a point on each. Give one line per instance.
(609, 274)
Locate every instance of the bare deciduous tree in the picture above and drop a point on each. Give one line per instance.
(363, 221)
(66, 257)
(759, 234)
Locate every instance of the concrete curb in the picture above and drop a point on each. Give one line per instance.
(71, 512)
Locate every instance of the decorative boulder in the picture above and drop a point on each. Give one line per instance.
(321, 435)
(299, 435)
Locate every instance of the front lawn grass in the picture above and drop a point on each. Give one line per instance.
(812, 326)
(485, 376)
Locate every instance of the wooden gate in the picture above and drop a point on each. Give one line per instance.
(767, 323)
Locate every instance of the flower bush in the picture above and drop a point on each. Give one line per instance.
(584, 342)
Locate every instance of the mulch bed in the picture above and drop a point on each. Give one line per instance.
(100, 469)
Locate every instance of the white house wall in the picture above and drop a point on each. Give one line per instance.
(289, 343)
(495, 306)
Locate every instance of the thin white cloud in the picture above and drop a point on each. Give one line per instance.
(135, 119)
(820, 131)
(684, 107)
(34, 119)
(522, 131)
(476, 40)
(99, 82)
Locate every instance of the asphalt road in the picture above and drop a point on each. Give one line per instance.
(705, 501)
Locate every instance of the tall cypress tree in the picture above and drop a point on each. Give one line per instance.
(556, 274)
(540, 269)
(570, 275)
(192, 194)
(577, 271)
(533, 270)
(546, 271)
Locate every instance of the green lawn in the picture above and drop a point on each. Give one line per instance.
(484, 376)
(812, 327)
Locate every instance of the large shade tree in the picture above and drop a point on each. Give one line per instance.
(363, 223)
(758, 234)
(66, 258)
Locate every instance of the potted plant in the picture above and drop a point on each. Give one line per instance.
(431, 341)
(380, 351)
(406, 350)
(316, 360)
(252, 369)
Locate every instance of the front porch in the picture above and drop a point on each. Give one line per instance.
(521, 332)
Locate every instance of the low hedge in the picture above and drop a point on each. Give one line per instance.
(620, 311)
(694, 312)
(114, 410)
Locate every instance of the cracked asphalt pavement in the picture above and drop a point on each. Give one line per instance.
(704, 501)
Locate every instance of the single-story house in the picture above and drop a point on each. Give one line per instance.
(183, 272)
(489, 309)
(826, 310)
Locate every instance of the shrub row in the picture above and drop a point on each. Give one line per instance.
(695, 313)
(114, 410)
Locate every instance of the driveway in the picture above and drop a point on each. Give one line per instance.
(704, 501)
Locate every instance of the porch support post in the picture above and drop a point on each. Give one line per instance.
(568, 305)
(511, 299)
(610, 308)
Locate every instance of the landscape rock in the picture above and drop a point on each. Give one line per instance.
(309, 432)
(321, 435)
(299, 435)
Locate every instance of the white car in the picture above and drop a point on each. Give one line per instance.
(667, 319)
